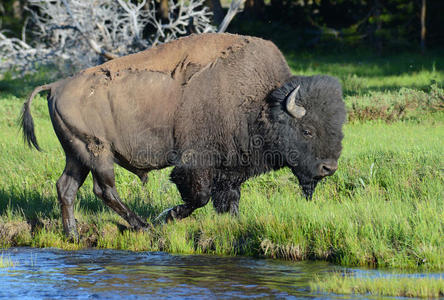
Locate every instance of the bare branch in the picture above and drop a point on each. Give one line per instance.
(235, 7)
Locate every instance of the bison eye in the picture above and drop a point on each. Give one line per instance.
(307, 133)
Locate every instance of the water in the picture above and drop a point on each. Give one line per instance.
(111, 274)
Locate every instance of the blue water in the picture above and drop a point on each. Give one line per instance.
(111, 274)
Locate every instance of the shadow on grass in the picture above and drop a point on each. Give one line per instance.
(33, 206)
(367, 64)
(29, 204)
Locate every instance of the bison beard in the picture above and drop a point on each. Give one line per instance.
(308, 186)
(211, 93)
(309, 189)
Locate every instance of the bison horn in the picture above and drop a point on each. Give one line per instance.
(295, 110)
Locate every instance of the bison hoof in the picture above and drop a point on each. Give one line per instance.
(146, 228)
(166, 216)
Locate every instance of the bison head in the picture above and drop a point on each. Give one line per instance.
(307, 114)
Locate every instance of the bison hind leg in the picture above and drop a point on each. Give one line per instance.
(67, 186)
(105, 188)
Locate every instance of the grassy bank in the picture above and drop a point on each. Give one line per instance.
(386, 286)
(384, 207)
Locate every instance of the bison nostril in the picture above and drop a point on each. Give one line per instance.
(327, 168)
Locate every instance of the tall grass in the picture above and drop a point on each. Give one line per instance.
(383, 207)
(6, 262)
(383, 286)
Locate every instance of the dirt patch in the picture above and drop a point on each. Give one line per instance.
(95, 146)
(89, 234)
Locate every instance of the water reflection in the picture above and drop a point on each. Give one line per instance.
(51, 273)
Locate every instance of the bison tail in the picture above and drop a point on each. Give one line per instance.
(26, 121)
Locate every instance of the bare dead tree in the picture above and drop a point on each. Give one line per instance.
(83, 33)
(235, 7)
(181, 16)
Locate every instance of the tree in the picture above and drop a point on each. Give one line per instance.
(164, 9)
(254, 8)
(423, 26)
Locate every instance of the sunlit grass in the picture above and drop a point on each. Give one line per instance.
(6, 262)
(381, 286)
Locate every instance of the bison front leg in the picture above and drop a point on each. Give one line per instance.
(105, 188)
(67, 186)
(226, 201)
(194, 186)
(226, 192)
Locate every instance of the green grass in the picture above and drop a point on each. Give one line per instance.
(6, 262)
(383, 208)
(383, 286)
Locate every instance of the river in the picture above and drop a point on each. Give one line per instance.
(112, 274)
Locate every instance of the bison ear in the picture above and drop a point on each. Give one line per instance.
(293, 109)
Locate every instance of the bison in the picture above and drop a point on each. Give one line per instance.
(219, 108)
